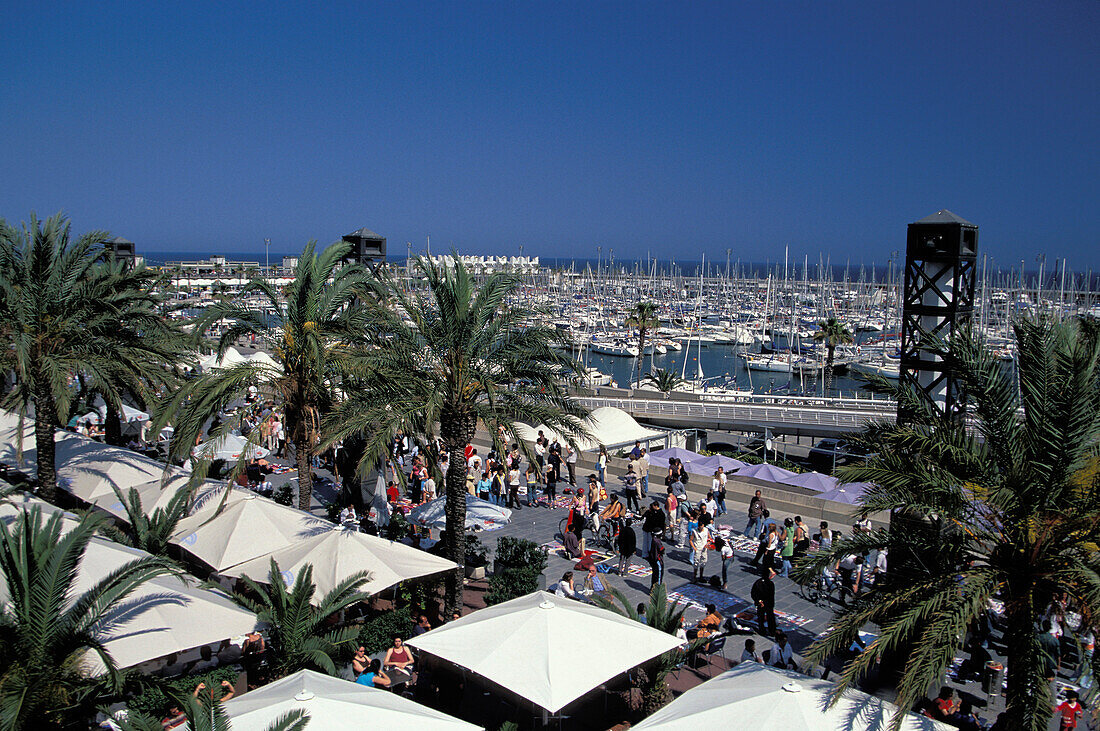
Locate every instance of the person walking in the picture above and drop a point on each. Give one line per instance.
(630, 489)
(786, 551)
(601, 465)
(513, 486)
(756, 515)
(643, 473)
(627, 543)
(720, 493)
(763, 597)
(532, 475)
(656, 562)
(699, 538)
(725, 551)
(771, 547)
(653, 526)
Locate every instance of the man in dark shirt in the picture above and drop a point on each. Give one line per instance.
(627, 543)
(763, 596)
(653, 525)
(756, 516)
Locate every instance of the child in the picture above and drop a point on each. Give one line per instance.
(726, 554)
(1069, 710)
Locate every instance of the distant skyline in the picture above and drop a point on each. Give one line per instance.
(662, 129)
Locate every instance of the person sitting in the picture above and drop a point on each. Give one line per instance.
(782, 654)
(613, 512)
(565, 586)
(571, 544)
(226, 686)
(592, 583)
(749, 654)
(360, 662)
(422, 626)
(710, 624)
(374, 677)
(348, 516)
(174, 720)
(398, 658)
(253, 472)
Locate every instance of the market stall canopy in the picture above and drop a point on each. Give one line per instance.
(480, 514)
(156, 494)
(778, 700)
(848, 493)
(230, 447)
(529, 645)
(334, 705)
(767, 472)
(813, 481)
(608, 426)
(247, 526)
(129, 414)
(232, 357)
(338, 553)
(89, 469)
(162, 616)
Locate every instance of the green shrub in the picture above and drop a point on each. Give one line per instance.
(511, 583)
(377, 634)
(476, 552)
(154, 701)
(514, 553)
(750, 459)
(284, 495)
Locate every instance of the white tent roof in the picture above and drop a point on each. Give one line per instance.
(767, 472)
(263, 359)
(129, 414)
(334, 704)
(9, 442)
(230, 447)
(480, 513)
(155, 494)
(338, 553)
(89, 469)
(770, 699)
(250, 526)
(530, 646)
(162, 616)
(231, 358)
(609, 426)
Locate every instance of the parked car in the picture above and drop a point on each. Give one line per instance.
(830, 453)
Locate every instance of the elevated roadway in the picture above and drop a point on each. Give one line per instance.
(798, 416)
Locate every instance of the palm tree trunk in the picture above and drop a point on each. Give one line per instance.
(305, 473)
(829, 353)
(1028, 700)
(44, 417)
(112, 425)
(456, 427)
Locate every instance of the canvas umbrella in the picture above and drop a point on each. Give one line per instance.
(772, 699)
(848, 493)
(245, 527)
(480, 514)
(162, 616)
(813, 481)
(156, 494)
(338, 553)
(767, 472)
(334, 704)
(230, 447)
(529, 646)
(89, 469)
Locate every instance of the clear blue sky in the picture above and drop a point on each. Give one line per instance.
(669, 128)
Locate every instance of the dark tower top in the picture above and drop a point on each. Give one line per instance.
(119, 249)
(366, 246)
(943, 236)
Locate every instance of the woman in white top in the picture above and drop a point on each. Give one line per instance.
(699, 538)
(601, 465)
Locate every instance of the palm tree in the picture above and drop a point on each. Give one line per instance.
(664, 380)
(152, 533)
(832, 333)
(1010, 508)
(321, 317)
(663, 615)
(47, 629)
(67, 316)
(643, 318)
(299, 629)
(455, 355)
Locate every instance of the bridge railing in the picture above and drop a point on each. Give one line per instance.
(809, 414)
